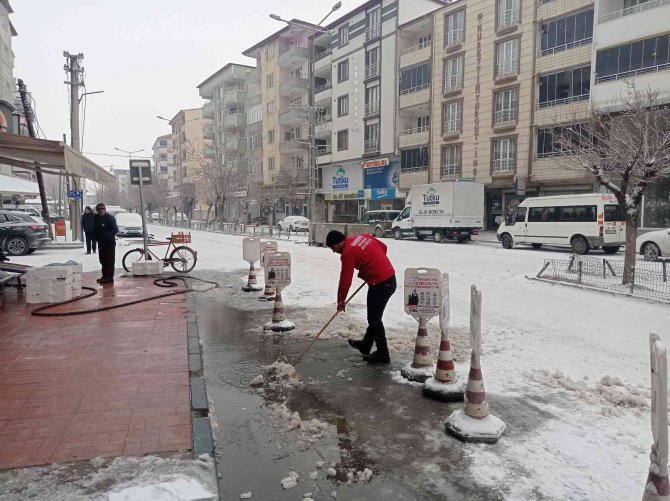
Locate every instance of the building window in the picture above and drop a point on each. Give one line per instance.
(372, 100)
(269, 51)
(423, 123)
(371, 138)
(566, 32)
(414, 79)
(255, 140)
(342, 140)
(453, 74)
(254, 113)
(163, 156)
(271, 163)
(373, 23)
(425, 41)
(271, 136)
(270, 80)
(372, 63)
(634, 58)
(509, 13)
(415, 159)
(451, 160)
(271, 108)
(504, 155)
(565, 86)
(343, 105)
(163, 143)
(454, 28)
(507, 104)
(343, 33)
(549, 139)
(452, 117)
(343, 71)
(507, 58)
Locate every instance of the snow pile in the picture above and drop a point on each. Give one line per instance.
(257, 381)
(246, 495)
(310, 431)
(610, 392)
(397, 377)
(278, 373)
(291, 481)
(177, 488)
(463, 425)
(359, 476)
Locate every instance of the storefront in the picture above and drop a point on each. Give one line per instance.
(656, 205)
(342, 186)
(381, 178)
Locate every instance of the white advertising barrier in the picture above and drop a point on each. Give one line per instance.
(251, 249)
(278, 270)
(424, 291)
(268, 247)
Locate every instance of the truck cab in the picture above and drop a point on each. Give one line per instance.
(402, 225)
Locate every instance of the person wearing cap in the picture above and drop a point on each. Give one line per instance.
(104, 232)
(366, 254)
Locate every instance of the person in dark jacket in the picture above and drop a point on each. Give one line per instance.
(367, 255)
(104, 232)
(87, 222)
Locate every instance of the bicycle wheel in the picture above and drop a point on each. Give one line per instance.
(131, 257)
(183, 259)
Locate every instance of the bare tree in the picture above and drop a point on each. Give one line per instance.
(624, 151)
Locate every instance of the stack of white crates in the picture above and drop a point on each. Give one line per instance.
(153, 267)
(53, 284)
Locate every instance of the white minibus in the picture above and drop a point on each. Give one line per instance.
(583, 222)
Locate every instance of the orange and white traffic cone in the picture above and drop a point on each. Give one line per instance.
(268, 294)
(279, 322)
(422, 366)
(475, 423)
(252, 283)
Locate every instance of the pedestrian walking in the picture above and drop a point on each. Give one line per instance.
(366, 254)
(87, 224)
(104, 232)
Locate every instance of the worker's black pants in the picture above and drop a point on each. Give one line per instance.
(107, 256)
(378, 297)
(90, 242)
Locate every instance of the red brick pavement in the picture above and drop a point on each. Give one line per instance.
(101, 384)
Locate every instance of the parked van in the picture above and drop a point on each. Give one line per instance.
(582, 222)
(380, 221)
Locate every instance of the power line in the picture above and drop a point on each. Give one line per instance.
(113, 155)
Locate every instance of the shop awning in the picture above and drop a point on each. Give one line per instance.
(53, 157)
(13, 185)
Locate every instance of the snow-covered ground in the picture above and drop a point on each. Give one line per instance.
(538, 339)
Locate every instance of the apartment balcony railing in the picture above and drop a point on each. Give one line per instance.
(416, 54)
(417, 47)
(415, 96)
(567, 46)
(504, 165)
(235, 95)
(452, 126)
(293, 146)
(651, 4)
(323, 89)
(508, 17)
(324, 150)
(453, 83)
(414, 137)
(564, 100)
(293, 86)
(372, 70)
(453, 37)
(235, 120)
(507, 68)
(418, 88)
(374, 31)
(504, 117)
(324, 126)
(322, 54)
(294, 115)
(632, 73)
(292, 55)
(415, 168)
(371, 146)
(372, 109)
(209, 110)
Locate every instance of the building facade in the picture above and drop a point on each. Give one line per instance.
(7, 32)
(162, 158)
(188, 154)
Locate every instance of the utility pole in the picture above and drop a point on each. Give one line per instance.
(28, 112)
(75, 70)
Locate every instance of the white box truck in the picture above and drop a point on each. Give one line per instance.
(453, 211)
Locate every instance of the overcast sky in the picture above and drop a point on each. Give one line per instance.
(147, 55)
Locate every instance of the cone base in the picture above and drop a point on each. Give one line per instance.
(444, 392)
(468, 429)
(283, 326)
(266, 298)
(417, 375)
(247, 288)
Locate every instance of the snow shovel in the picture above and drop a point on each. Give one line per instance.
(325, 327)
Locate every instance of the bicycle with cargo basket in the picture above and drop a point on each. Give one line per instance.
(182, 258)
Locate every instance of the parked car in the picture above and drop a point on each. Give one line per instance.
(21, 233)
(130, 224)
(294, 223)
(260, 221)
(654, 244)
(380, 221)
(155, 216)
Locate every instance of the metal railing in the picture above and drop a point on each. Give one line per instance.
(417, 168)
(508, 17)
(371, 146)
(505, 116)
(451, 126)
(453, 37)
(453, 83)
(507, 68)
(567, 46)
(417, 47)
(233, 228)
(564, 100)
(323, 54)
(451, 170)
(504, 165)
(322, 87)
(372, 109)
(374, 31)
(290, 47)
(418, 88)
(236, 88)
(652, 4)
(649, 279)
(415, 130)
(626, 74)
(324, 150)
(372, 70)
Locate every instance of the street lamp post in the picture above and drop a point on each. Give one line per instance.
(313, 157)
(141, 175)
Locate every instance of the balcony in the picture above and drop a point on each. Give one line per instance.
(255, 75)
(372, 109)
(418, 136)
(293, 87)
(293, 146)
(324, 127)
(209, 110)
(417, 54)
(294, 116)
(235, 143)
(373, 32)
(371, 146)
(504, 118)
(322, 60)
(235, 120)
(208, 132)
(235, 95)
(409, 178)
(293, 55)
(641, 7)
(372, 71)
(415, 96)
(323, 92)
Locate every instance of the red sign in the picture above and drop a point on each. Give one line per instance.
(380, 162)
(60, 228)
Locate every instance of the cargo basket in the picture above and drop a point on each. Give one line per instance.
(181, 238)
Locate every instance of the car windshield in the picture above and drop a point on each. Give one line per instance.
(128, 219)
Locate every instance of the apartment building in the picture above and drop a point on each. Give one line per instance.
(632, 46)
(355, 69)
(188, 152)
(233, 136)
(162, 159)
(123, 180)
(7, 32)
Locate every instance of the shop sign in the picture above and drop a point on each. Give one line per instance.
(382, 193)
(345, 195)
(385, 176)
(379, 162)
(340, 180)
(240, 194)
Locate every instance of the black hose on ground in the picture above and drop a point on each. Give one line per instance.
(166, 282)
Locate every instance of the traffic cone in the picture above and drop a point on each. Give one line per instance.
(475, 423)
(279, 322)
(445, 385)
(251, 281)
(268, 294)
(422, 366)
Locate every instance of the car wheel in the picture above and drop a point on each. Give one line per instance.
(650, 251)
(536, 246)
(507, 241)
(579, 246)
(438, 236)
(611, 249)
(17, 246)
(379, 232)
(397, 234)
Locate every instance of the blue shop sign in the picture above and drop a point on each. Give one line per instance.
(382, 194)
(386, 176)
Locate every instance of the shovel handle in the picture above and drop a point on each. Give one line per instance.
(326, 326)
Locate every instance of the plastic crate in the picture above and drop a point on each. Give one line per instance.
(181, 238)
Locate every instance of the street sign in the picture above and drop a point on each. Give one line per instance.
(251, 249)
(75, 194)
(135, 166)
(423, 292)
(268, 247)
(278, 269)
